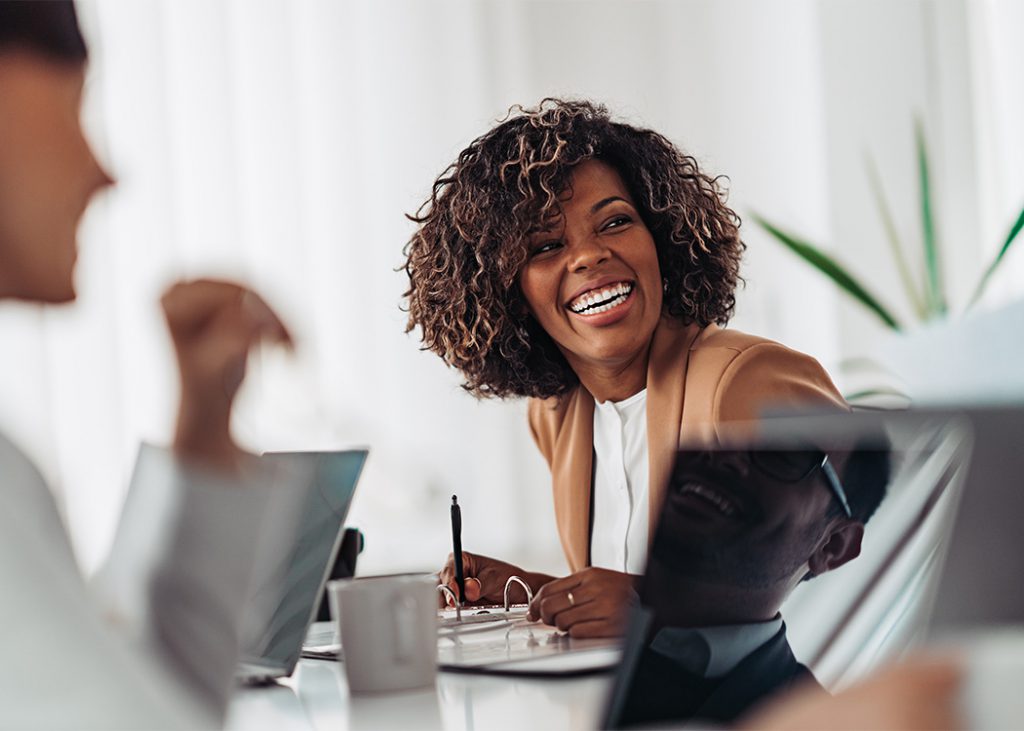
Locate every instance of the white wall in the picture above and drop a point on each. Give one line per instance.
(998, 118)
(282, 142)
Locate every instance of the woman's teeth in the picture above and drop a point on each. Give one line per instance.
(602, 300)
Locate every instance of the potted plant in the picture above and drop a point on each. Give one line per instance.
(927, 299)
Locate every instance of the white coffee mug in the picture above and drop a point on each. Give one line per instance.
(388, 630)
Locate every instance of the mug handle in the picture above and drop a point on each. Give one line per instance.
(403, 617)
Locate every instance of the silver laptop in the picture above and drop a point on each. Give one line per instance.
(297, 582)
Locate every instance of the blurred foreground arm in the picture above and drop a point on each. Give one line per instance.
(214, 325)
(200, 522)
(913, 695)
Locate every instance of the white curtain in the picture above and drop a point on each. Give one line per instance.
(281, 143)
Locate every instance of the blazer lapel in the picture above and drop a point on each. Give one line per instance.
(573, 463)
(666, 389)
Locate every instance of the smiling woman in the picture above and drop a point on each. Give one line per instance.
(588, 264)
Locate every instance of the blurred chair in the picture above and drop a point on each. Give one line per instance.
(352, 543)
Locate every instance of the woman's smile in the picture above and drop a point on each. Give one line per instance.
(604, 305)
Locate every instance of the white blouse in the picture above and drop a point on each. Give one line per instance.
(620, 507)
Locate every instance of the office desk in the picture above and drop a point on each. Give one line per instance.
(317, 697)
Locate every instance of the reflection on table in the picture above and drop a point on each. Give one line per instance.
(317, 697)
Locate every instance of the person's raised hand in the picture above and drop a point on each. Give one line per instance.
(213, 325)
(590, 603)
(484, 579)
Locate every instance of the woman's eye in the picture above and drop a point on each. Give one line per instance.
(545, 247)
(617, 222)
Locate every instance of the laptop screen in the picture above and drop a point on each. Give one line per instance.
(299, 577)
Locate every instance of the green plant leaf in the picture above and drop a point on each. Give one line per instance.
(830, 268)
(893, 399)
(909, 287)
(934, 295)
(1011, 237)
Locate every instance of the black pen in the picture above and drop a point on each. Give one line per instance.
(460, 579)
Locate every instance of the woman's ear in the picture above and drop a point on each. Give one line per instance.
(841, 544)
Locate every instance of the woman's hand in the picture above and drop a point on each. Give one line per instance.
(590, 603)
(485, 579)
(214, 324)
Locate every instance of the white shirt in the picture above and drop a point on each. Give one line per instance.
(153, 643)
(621, 512)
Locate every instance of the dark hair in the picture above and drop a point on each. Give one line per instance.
(48, 27)
(464, 260)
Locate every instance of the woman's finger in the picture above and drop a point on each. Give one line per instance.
(572, 604)
(473, 588)
(572, 615)
(552, 589)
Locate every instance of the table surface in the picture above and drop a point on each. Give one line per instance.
(317, 697)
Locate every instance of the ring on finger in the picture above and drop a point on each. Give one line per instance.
(572, 599)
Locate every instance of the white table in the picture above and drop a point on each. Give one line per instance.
(317, 697)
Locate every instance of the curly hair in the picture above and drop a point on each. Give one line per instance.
(464, 260)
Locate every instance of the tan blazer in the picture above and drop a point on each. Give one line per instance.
(698, 380)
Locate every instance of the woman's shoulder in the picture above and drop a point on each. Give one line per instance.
(711, 350)
(715, 337)
(724, 349)
(673, 340)
(743, 374)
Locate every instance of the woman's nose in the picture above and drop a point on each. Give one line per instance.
(588, 253)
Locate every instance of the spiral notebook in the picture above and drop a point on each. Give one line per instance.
(491, 640)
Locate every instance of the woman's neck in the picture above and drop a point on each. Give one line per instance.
(613, 382)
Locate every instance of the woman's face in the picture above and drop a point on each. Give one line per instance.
(591, 277)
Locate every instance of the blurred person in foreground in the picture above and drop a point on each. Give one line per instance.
(153, 643)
